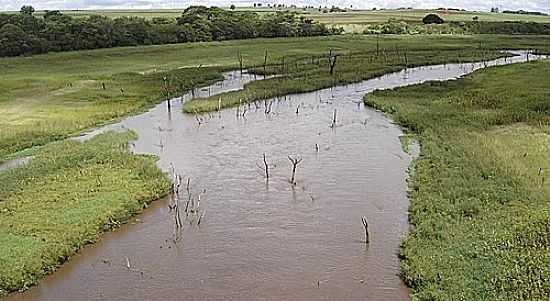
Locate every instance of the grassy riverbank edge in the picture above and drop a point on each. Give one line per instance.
(352, 68)
(106, 108)
(479, 212)
(65, 198)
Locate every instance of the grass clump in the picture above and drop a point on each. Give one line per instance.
(64, 198)
(479, 198)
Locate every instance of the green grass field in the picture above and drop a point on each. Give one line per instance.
(65, 198)
(89, 187)
(341, 18)
(358, 21)
(48, 97)
(479, 196)
(416, 15)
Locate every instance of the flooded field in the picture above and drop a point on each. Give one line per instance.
(261, 239)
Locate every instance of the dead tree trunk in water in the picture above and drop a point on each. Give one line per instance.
(366, 226)
(332, 63)
(295, 162)
(333, 125)
(266, 168)
(167, 93)
(175, 193)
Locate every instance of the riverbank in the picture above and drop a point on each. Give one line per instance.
(64, 198)
(46, 98)
(479, 198)
(333, 69)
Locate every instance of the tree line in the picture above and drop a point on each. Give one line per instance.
(434, 24)
(24, 33)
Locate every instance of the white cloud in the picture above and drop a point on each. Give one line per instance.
(537, 5)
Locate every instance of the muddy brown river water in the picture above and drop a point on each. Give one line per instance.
(261, 240)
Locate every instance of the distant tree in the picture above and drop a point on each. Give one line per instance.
(475, 18)
(432, 19)
(52, 14)
(27, 10)
(13, 41)
(26, 34)
(232, 7)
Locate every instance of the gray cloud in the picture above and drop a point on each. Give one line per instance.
(539, 5)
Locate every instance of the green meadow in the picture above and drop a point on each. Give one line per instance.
(479, 209)
(479, 192)
(49, 97)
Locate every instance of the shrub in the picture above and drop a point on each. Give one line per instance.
(433, 19)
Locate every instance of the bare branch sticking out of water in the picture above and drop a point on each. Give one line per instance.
(266, 168)
(268, 106)
(200, 120)
(128, 266)
(238, 111)
(295, 162)
(201, 217)
(366, 226)
(176, 184)
(333, 124)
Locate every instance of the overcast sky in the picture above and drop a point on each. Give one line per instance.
(538, 5)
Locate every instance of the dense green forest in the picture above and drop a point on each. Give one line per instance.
(25, 33)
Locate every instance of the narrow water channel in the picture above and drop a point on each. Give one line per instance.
(258, 239)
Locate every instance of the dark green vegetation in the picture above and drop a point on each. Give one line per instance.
(439, 26)
(305, 74)
(24, 33)
(65, 198)
(48, 97)
(523, 12)
(432, 19)
(479, 192)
